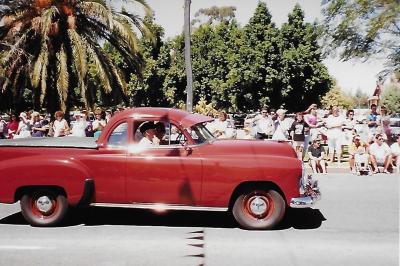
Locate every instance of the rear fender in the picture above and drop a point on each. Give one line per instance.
(65, 173)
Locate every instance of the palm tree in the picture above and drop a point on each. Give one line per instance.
(188, 59)
(49, 45)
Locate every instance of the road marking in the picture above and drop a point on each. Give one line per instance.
(13, 247)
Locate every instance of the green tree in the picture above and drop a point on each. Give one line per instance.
(259, 63)
(361, 28)
(51, 43)
(215, 15)
(336, 97)
(303, 75)
(391, 98)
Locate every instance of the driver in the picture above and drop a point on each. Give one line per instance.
(148, 131)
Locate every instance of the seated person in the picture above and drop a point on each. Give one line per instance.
(357, 147)
(395, 148)
(148, 131)
(160, 133)
(380, 154)
(316, 154)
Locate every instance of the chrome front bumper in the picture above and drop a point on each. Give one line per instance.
(309, 192)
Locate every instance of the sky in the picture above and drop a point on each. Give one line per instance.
(350, 76)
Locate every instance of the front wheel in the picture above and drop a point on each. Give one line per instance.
(44, 207)
(259, 209)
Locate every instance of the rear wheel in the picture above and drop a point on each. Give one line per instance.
(44, 207)
(259, 209)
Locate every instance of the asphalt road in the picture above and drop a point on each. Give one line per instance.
(355, 223)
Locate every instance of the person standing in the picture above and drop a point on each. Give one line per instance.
(334, 124)
(98, 124)
(3, 128)
(264, 125)
(24, 127)
(373, 119)
(12, 126)
(38, 127)
(78, 129)
(60, 125)
(219, 127)
(281, 126)
(349, 127)
(297, 132)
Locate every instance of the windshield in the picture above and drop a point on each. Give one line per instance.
(200, 133)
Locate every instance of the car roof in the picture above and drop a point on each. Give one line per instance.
(182, 117)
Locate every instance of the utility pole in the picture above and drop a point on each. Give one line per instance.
(188, 60)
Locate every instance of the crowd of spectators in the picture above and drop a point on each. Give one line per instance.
(337, 129)
(32, 124)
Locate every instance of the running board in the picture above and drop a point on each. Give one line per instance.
(160, 207)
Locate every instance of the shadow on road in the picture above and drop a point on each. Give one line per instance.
(296, 218)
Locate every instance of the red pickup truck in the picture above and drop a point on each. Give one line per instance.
(187, 170)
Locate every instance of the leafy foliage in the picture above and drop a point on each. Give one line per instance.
(391, 98)
(336, 97)
(363, 28)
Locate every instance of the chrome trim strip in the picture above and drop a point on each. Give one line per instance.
(159, 206)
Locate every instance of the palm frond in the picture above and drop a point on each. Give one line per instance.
(78, 53)
(98, 12)
(125, 30)
(40, 62)
(47, 20)
(101, 72)
(43, 83)
(62, 77)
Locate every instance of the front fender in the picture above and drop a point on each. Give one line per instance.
(67, 173)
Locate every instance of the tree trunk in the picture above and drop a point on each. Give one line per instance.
(188, 60)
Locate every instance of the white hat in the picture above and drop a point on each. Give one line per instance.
(23, 114)
(280, 112)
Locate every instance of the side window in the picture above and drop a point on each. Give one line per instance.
(174, 136)
(119, 136)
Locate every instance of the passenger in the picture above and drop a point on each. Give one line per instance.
(78, 129)
(160, 133)
(98, 124)
(12, 126)
(39, 128)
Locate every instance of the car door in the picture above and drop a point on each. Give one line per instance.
(168, 173)
(108, 165)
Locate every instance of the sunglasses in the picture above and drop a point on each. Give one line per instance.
(380, 139)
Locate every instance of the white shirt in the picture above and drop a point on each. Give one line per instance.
(336, 122)
(281, 129)
(379, 151)
(145, 142)
(395, 148)
(78, 130)
(265, 125)
(59, 127)
(96, 124)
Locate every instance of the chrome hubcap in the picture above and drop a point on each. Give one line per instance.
(44, 204)
(258, 205)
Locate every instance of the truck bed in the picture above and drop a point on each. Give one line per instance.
(64, 142)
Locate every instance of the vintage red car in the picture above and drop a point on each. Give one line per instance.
(188, 170)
